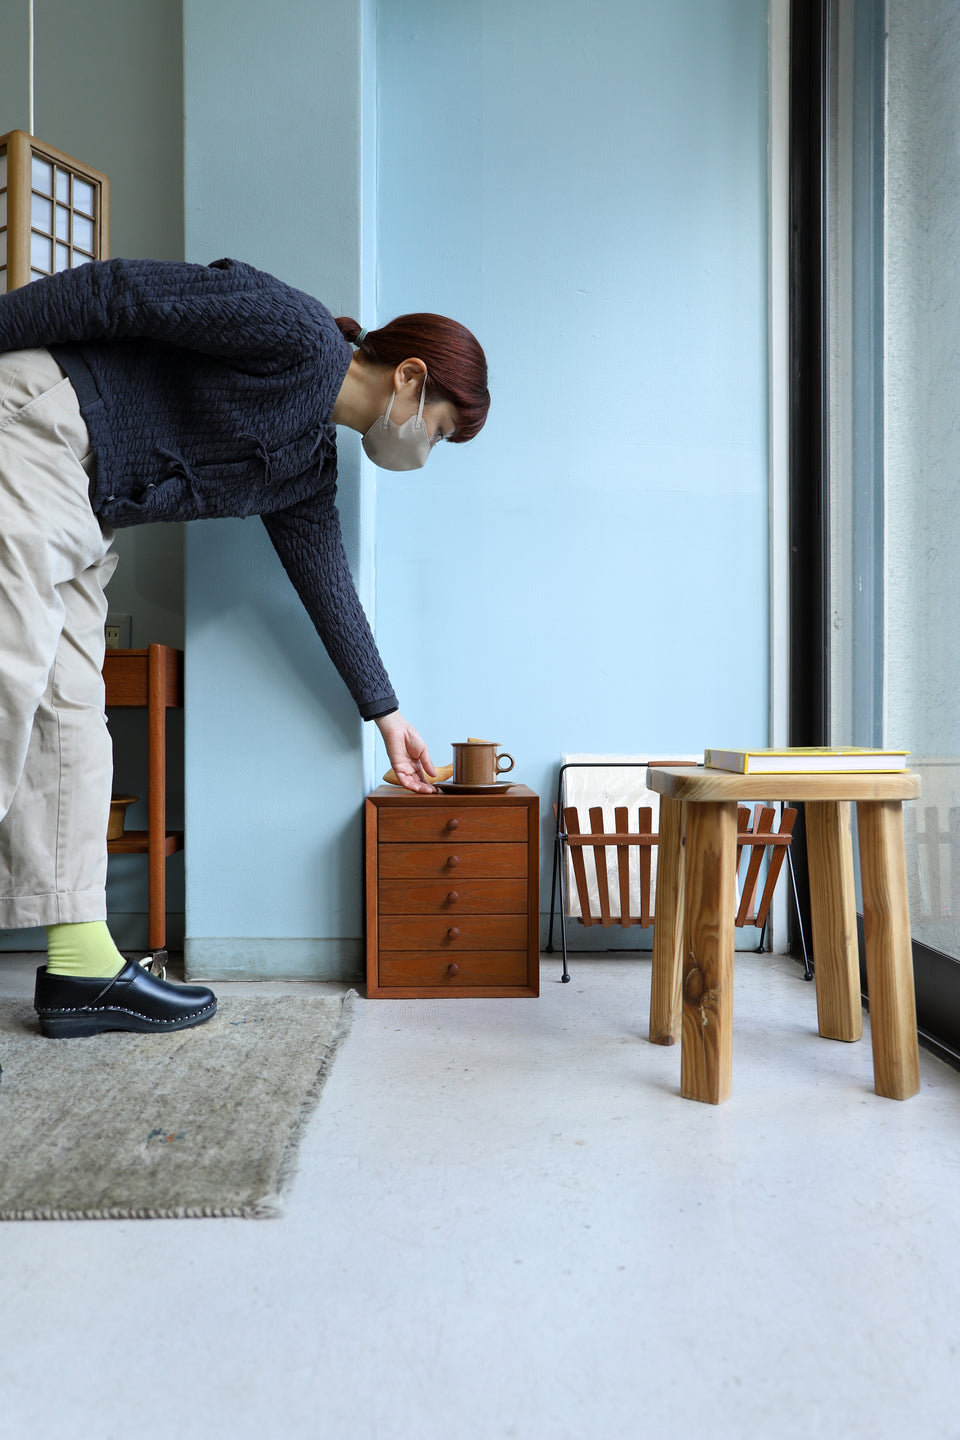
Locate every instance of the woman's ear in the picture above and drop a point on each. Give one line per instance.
(409, 372)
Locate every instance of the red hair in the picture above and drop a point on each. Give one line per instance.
(456, 365)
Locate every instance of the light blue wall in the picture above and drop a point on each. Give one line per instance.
(584, 186)
(274, 762)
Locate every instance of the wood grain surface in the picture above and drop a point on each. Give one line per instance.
(889, 958)
(697, 783)
(833, 916)
(443, 822)
(668, 927)
(710, 842)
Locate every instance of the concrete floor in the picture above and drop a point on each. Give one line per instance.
(508, 1224)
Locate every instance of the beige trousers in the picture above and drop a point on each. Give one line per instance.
(56, 759)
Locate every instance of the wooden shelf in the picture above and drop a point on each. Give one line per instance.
(126, 674)
(151, 680)
(137, 842)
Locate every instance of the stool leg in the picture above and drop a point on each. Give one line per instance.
(667, 926)
(833, 912)
(710, 849)
(889, 956)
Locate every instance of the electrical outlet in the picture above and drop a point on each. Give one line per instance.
(118, 631)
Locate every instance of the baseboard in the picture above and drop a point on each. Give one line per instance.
(21, 941)
(130, 931)
(246, 958)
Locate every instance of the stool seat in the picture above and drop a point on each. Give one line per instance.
(693, 938)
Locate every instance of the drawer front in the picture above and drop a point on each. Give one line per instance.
(434, 823)
(439, 897)
(465, 969)
(452, 933)
(465, 862)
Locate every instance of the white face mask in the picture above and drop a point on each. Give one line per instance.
(399, 447)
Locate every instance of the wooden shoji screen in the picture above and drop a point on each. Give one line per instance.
(54, 211)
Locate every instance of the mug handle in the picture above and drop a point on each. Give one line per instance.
(504, 755)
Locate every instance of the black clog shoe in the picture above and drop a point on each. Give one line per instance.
(132, 1000)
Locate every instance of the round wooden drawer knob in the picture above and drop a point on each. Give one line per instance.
(453, 933)
(453, 860)
(453, 969)
(453, 824)
(453, 896)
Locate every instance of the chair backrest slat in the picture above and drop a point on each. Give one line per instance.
(646, 854)
(777, 856)
(743, 825)
(572, 822)
(623, 866)
(762, 824)
(600, 861)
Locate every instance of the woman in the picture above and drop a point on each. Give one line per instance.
(139, 391)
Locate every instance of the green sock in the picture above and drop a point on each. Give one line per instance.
(85, 950)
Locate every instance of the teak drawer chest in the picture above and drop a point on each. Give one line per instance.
(452, 893)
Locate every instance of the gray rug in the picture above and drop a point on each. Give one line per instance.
(202, 1122)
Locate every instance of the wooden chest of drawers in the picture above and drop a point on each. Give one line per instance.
(453, 893)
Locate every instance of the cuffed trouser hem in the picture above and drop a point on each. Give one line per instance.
(22, 912)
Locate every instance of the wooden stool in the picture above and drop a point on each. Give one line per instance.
(691, 989)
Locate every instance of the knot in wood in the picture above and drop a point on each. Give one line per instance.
(694, 986)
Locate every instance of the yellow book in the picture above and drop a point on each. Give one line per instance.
(810, 760)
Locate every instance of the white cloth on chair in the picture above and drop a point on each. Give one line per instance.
(614, 783)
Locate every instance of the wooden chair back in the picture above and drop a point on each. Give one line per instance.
(755, 834)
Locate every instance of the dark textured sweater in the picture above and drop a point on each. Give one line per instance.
(207, 391)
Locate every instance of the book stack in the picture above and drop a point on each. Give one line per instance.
(827, 760)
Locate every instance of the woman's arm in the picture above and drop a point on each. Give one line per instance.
(308, 541)
(307, 538)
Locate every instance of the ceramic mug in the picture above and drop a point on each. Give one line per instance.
(476, 762)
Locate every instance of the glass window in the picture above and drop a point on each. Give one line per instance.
(894, 440)
(63, 223)
(79, 260)
(63, 257)
(41, 213)
(83, 196)
(83, 233)
(63, 187)
(41, 175)
(41, 253)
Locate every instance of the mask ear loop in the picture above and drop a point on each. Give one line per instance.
(385, 419)
(423, 396)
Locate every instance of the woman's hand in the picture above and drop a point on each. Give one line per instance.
(408, 754)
